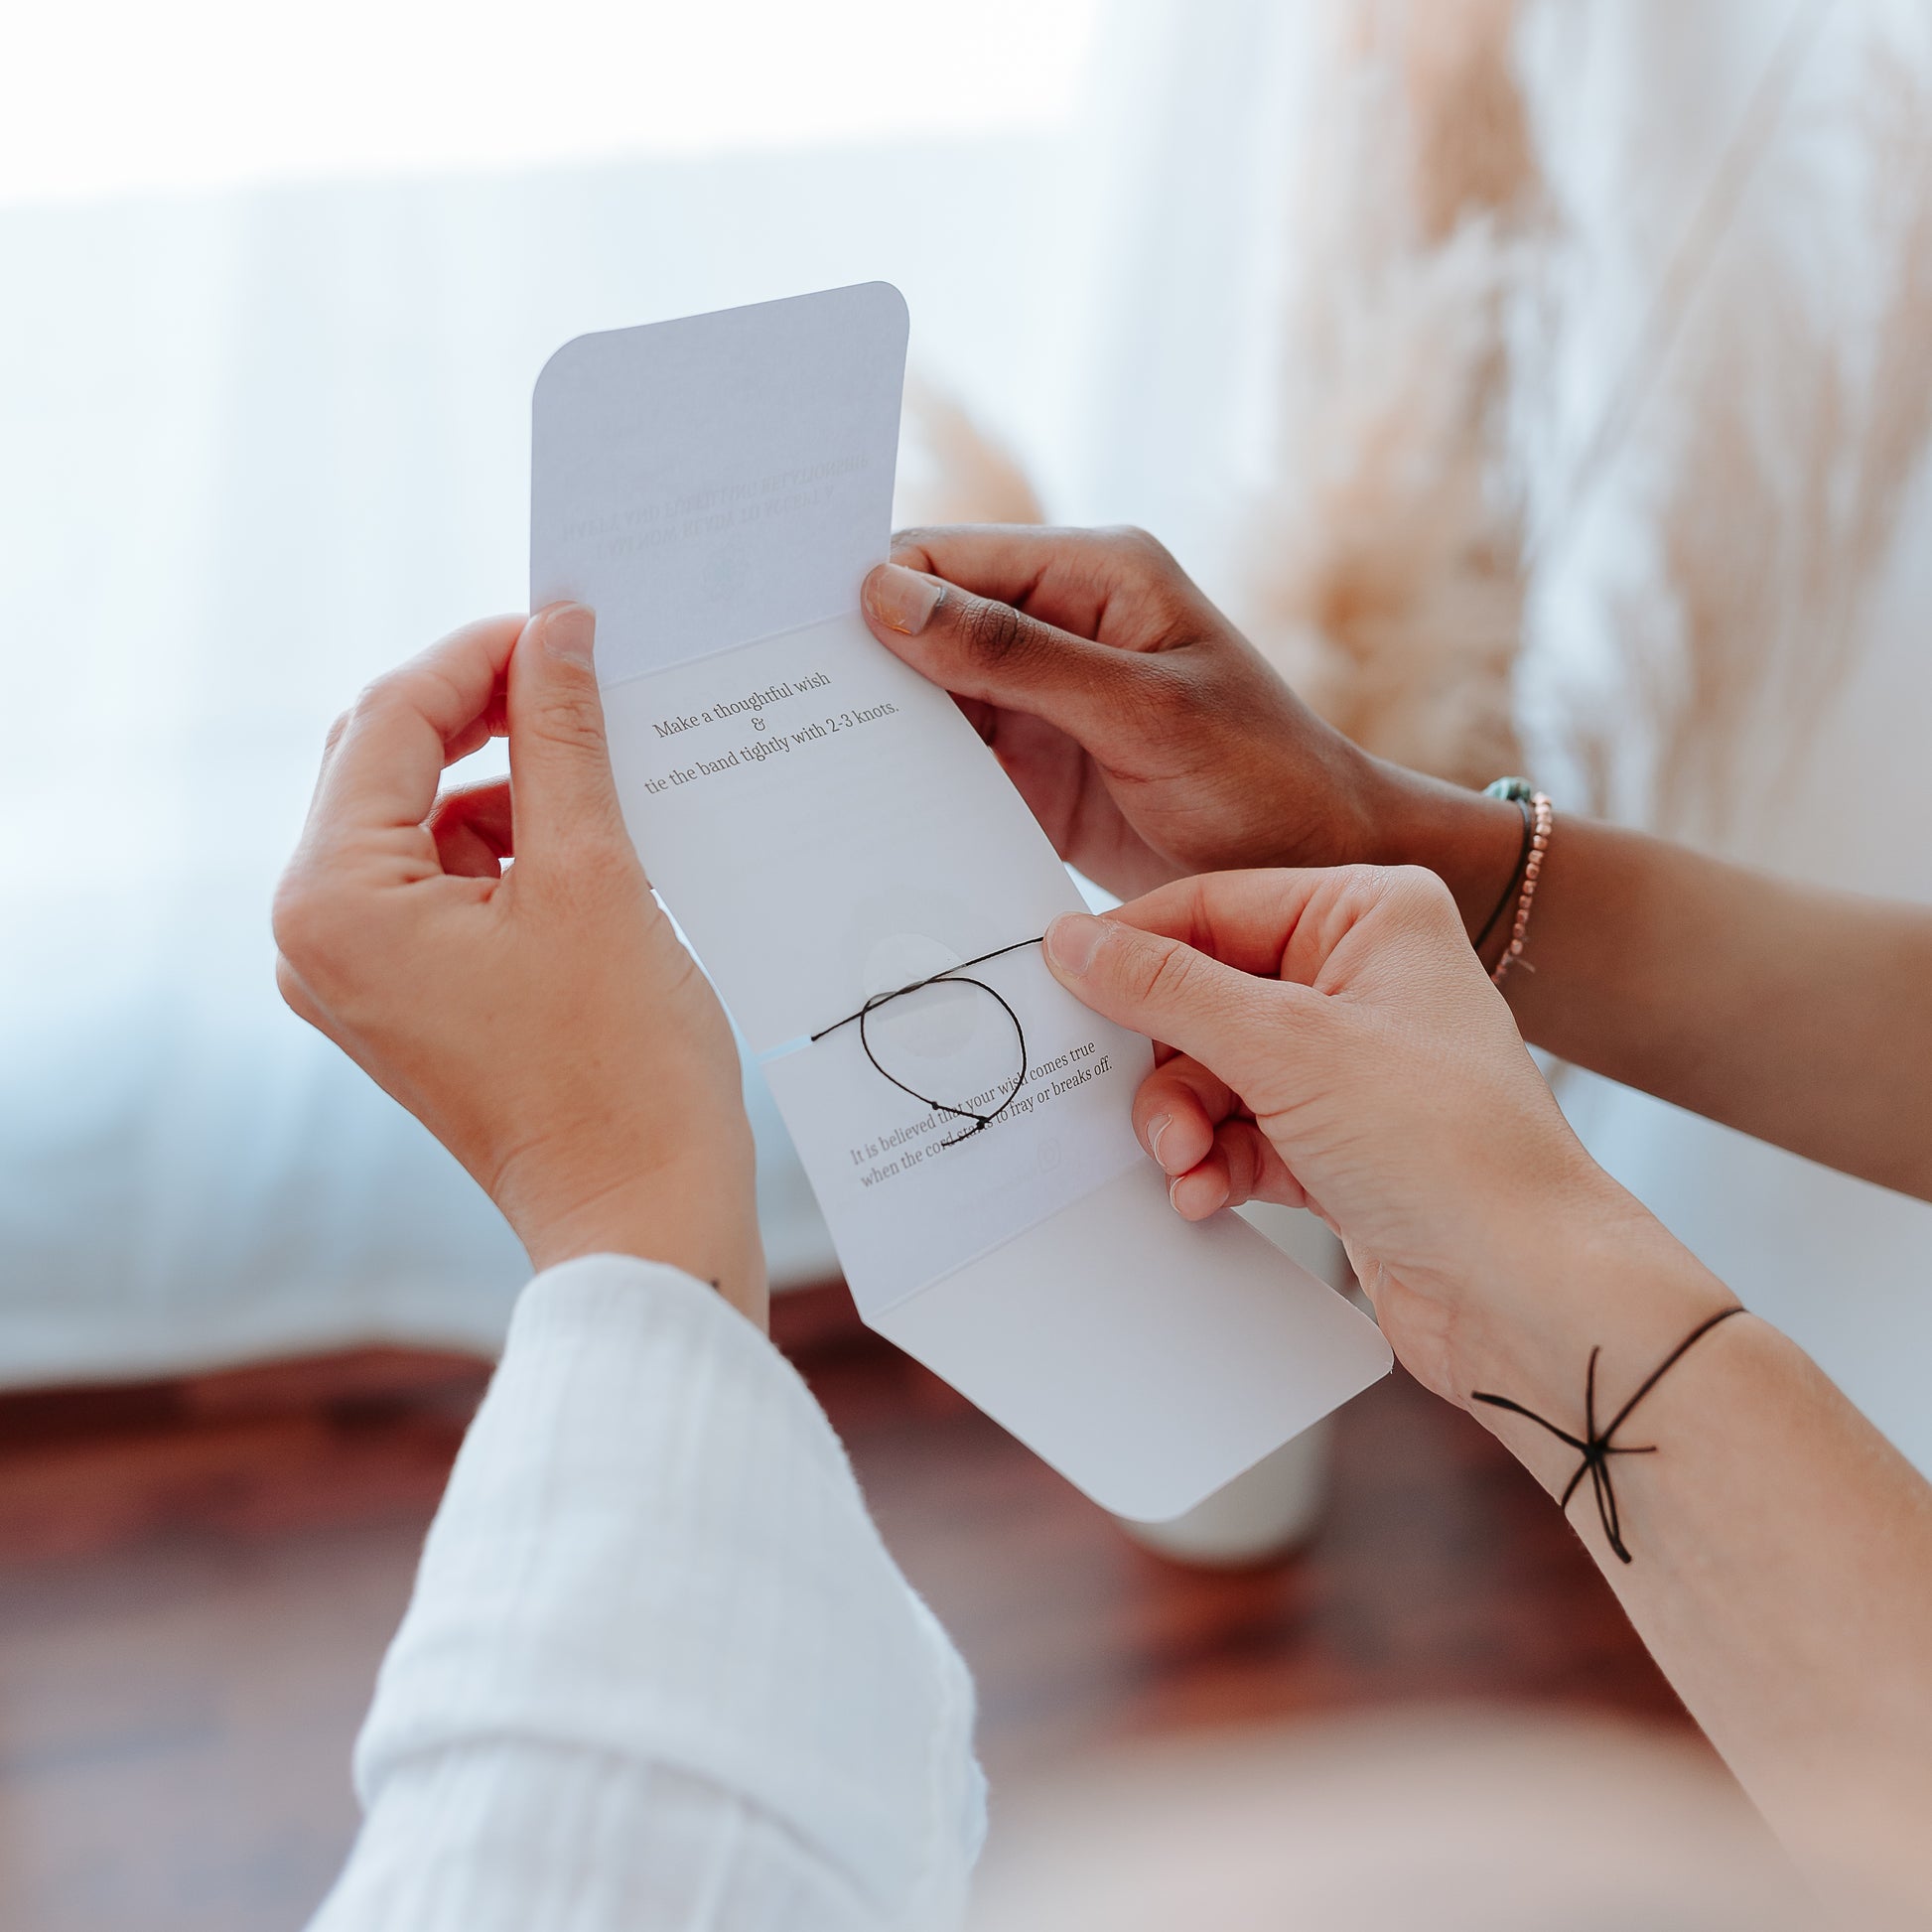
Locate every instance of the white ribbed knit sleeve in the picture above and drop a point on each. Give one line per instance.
(658, 1670)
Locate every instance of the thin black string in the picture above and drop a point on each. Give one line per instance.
(954, 975)
(1594, 1446)
(1515, 878)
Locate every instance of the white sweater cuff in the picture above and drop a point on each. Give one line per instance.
(652, 1547)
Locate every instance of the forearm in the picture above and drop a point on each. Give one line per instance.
(1781, 1550)
(1800, 1016)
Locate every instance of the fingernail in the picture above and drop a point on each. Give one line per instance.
(902, 598)
(1074, 939)
(1158, 1125)
(570, 633)
(1220, 1200)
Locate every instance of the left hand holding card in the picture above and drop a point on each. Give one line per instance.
(544, 1021)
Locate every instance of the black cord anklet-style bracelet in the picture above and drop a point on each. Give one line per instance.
(1596, 1446)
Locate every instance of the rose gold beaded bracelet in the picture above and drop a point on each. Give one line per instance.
(1544, 819)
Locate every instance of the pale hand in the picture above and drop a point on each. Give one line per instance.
(542, 1020)
(1332, 1043)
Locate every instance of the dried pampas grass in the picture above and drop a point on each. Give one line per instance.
(1805, 412)
(950, 471)
(1381, 571)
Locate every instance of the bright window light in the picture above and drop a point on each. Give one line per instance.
(108, 98)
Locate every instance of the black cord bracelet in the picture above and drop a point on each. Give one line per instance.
(1521, 801)
(1595, 1444)
(954, 976)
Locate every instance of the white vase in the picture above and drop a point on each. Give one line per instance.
(1269, 1511)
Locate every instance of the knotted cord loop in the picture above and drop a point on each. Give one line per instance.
(1594, 1446)
(954, 975)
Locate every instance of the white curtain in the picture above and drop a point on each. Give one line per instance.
(258, 445)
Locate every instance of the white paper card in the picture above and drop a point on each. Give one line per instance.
(824, 812)
(827, 828)
(1147, 1360)
(738, 491)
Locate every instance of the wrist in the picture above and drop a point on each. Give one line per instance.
(1601, 1273)
(699, 1215)
(1470, 841)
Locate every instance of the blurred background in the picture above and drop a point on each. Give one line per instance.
(1546, 385)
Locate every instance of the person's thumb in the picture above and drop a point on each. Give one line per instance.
(1228, 1020)
(564, 796)
(978, 647)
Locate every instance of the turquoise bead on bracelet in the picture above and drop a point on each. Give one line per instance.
(1518, 792)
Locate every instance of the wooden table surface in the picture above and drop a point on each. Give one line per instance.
(197, 1579)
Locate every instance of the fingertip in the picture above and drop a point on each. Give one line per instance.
(1199, 1192)
(1072, 940)
(568, 632)
(1239, 1143)
(1177, 1133)
(900, 599)
(560, 754)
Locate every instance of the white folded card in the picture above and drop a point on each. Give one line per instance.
(829, 831)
